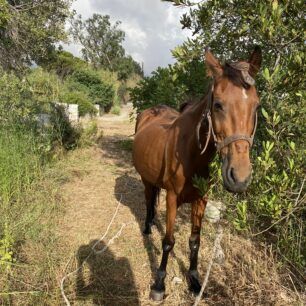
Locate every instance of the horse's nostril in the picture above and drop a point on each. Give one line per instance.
(232, 175)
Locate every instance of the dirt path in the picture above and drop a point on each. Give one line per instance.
(101, 178)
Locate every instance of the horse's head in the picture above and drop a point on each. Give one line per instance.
(234, 102)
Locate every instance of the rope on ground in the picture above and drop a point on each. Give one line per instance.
(216, 251)
(93, 250)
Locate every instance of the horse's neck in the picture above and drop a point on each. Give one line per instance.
(193, 117)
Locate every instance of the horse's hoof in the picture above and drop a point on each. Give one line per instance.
(157, 296)
(193, 281)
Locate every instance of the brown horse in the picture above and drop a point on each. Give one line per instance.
(170, 148)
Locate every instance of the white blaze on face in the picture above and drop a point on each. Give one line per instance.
(244, 94)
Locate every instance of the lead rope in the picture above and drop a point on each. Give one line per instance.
(217, 253)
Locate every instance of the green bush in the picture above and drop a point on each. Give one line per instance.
(170, 86)
(17, 105)
(90, 134)
(45, 86)
(116, 110)
(102, 95)
(99, 92)
(63, 63)
(87, 77)
(160, 88)
(82, 100)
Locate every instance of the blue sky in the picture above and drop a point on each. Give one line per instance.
(152, 28)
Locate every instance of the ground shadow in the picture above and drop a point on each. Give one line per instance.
(104, 279)
(130, 192)
(118, 147)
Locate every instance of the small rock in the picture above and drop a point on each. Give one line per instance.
(213, 211)
(177, 280)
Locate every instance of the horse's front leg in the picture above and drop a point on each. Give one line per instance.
(198, 208)
(158, 288)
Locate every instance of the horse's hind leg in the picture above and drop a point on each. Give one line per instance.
(151, 194)
(158, 288)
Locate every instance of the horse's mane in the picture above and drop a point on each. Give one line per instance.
(235, 75)
(188, 103)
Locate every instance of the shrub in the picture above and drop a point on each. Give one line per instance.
(116, 110)
(170, 86)
(17, 105)
(82, 100)
(102, 95)
(160, 88)
(90, 134)
(99, 92)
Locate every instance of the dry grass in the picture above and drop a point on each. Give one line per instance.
(122, 275)
(92, 181)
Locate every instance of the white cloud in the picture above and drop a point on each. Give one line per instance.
(152, 27)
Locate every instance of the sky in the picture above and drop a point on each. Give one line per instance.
(152, 28)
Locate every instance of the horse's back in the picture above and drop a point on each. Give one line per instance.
(152, 127)
(156, 115)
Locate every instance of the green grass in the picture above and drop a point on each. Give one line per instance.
(116, 110)
(28, 210)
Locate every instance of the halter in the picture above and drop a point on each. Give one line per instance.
(207, 115)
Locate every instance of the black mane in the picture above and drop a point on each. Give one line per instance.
(235, 76)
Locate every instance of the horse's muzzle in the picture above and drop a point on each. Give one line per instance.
(232, 182)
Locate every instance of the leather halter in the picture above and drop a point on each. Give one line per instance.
(227, 140)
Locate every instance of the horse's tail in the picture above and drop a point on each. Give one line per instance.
(137, 122)
(157, 197)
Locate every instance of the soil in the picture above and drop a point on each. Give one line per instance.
(102, 177)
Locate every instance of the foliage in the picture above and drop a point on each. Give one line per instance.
(6, 247)
(126, 66)
(29, 30)
(63, 63)
(90, 134)
(171, 86)
(29, 205)
(274, 205)
(82, 100)
(160, 88)
(19, 163)
(115, 110)
(45, 87)
(101, 41)
(102, 45)
(99, 92)
(16, 105)
(201, 184)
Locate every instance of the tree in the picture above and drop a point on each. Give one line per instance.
(63, 63)
(29, 30)
(101, 41)
(231, 28)
(171, 86)
(126, 66)
(159, 88)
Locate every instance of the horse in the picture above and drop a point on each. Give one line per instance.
(171, 147)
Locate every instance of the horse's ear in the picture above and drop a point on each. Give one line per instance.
(255, 61)
(212, 64)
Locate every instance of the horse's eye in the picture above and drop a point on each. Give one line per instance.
(218, 106)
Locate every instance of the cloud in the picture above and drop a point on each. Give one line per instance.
(152, 27)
